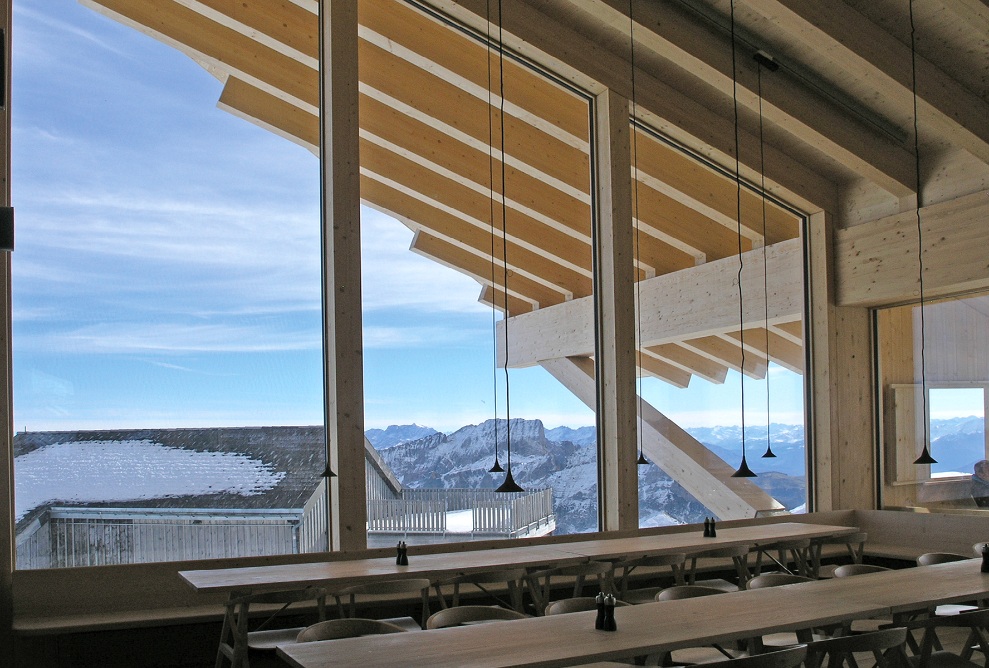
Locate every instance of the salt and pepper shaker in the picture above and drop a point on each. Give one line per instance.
(714, 530)
(402, 554)
(599, 601)
(707, 527)
(609, 614)
(985, 558)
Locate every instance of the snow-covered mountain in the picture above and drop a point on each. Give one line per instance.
(546, 458)
(395, 434)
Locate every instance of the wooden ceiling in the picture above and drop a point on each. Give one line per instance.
(836, 126)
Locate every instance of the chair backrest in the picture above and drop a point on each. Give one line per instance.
(384, 588)
(857, 569)
(467, 614)
(775, 580)
(579, 604)
(838, 650)
(687, 591)
(786, 658)
(932, 558)
(334, 629)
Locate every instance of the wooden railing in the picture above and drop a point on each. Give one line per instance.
(493, 513)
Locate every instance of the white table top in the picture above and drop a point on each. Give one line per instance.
(564, 640)
(445, 564)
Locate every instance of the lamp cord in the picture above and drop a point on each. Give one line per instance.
(738, 210)
(635, 219)
(491, 216)
(504, 230)
(765, 260)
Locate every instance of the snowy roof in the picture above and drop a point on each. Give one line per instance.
(224, 468)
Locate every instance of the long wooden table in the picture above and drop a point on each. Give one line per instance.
(565, 640)
(285, 577)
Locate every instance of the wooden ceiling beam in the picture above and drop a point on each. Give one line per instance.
(495, 297)
(464, 61)
(695, 302)
(730, 354)
(479, 268)
(592, 65)
(667, 216)
(698, 365)
(699, 187)
(791, 331)
(973, 12)
(667, 31)
(219, 46)
(523, 259)
(843, 36)
(657, 368)
(780, 350)
(271, 113)
(429, 149)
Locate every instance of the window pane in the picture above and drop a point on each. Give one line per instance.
(166, 292)
(441, 405)
(698, 345)
(953, 367)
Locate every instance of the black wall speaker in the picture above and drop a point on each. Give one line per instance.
(6, 228)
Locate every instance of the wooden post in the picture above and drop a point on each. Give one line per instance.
(615, 310)
(842, 457)
(342, 325)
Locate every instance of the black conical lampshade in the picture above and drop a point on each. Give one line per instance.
(509, 485)
(642, 461)
(925, 457)
(328, 472)
(497, 467)
(769, 451)
(743, 470)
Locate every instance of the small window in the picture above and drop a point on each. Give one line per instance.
(957, 429)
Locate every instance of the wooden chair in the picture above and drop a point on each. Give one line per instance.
(788, 638)
(784, 658)
(849, 570)
(674, 562)
(470, 614)
(235, 638)
(690, 655)
(365, 590)
(886, 646)
(854, 544)
(513, 579)
(932, 558)
(687, 591)
(932, 655)
(579, 604)
(739, 556)
(540, 582)
(335, 629)
(775, 580)
(796, 551)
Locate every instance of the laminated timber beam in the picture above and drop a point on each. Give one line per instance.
(495, 297)
(525, 259)
(685, 305)
(702, 473)
(592, 66)
(973, 12)
(791, 331)
(787, 354)
(846, 38)
(870, 264)
(688, 360)
(665, 30)
(479, 268)
(719, 350)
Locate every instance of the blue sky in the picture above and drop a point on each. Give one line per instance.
(167, 268)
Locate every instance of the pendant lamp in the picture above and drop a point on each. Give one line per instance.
(641, 461)
(743, 469)
(925, 455)
(509, 484)
(764, 60)
(496, 467)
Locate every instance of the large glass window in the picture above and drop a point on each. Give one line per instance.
(933, 375)
(166, 299)
(702, 337)
(451, 276)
